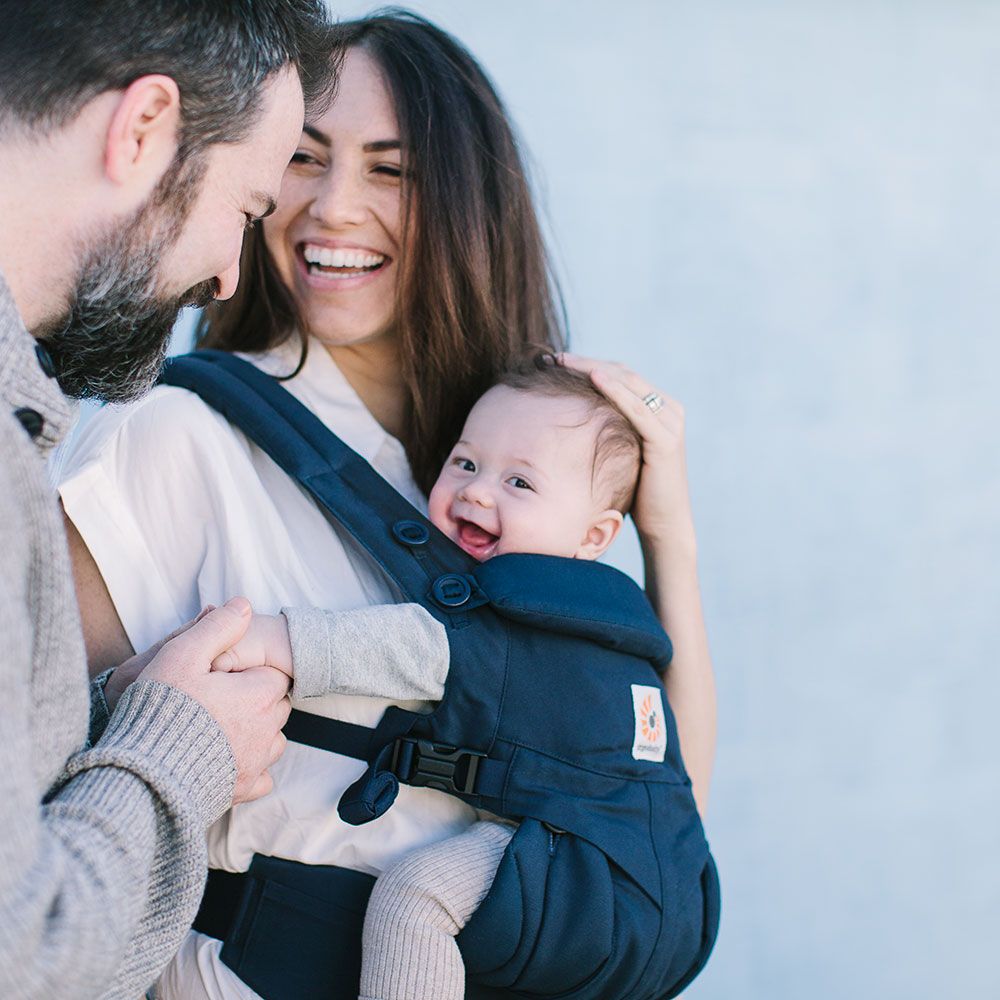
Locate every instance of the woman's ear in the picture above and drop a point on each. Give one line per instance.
(143, 134)
(601, 533)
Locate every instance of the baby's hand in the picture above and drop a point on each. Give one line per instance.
(266, 644)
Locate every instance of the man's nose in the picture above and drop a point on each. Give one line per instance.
(228, 280)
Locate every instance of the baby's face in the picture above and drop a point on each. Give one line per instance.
(519, 480)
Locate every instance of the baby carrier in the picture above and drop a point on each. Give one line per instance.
(552, 715)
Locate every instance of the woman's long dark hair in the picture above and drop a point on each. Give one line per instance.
(475, 286)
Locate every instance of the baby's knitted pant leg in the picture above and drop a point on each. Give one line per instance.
(417, 908)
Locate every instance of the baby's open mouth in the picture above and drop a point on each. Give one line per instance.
(478, 542)
(340, 263)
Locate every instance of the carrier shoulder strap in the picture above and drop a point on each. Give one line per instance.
(408, 547)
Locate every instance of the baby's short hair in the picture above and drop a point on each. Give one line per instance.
(617, 445)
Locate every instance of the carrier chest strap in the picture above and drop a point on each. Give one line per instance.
(414, 761)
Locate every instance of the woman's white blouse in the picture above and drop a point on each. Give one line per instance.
(180, 510)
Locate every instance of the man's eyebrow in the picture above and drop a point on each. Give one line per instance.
(266, 201)
(314, 133)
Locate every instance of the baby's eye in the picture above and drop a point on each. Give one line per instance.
(465, 464)
(520, 484)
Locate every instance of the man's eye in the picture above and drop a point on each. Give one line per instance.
(303, 159)
(521, 484)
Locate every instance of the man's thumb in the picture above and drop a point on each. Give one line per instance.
(221, 628)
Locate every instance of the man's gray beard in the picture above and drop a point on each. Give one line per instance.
(111, 343)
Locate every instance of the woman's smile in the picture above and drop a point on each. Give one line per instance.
(337, 266)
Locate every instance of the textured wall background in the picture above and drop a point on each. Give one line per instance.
(786, 213)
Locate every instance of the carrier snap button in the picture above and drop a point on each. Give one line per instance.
(410, 533)
(451, 590)
(45, 360)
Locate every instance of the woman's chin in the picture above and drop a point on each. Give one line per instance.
(335, 328)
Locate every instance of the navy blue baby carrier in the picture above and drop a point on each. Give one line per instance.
(607, 889)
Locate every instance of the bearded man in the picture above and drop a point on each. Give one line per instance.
(138, 139)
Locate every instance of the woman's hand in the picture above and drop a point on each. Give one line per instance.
(662, 508)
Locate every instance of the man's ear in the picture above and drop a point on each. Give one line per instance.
(143, 134)
(601, 533)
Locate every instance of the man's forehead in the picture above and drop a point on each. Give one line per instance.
(276, 132)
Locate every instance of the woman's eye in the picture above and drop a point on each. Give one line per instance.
(303, 158)
(520, 484)
(388, 170)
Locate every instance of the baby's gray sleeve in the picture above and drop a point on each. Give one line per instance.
(397, 651)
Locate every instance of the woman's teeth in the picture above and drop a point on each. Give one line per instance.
(323, 260)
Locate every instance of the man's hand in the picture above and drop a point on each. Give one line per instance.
(129, 670)
(250, 706)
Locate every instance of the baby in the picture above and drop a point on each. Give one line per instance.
(545, 464)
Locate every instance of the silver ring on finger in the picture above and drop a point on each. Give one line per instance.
(654, 401)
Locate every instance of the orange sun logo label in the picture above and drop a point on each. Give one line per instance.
(650, 719)
(650, 741)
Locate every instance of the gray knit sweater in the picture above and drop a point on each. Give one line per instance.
(102, 849)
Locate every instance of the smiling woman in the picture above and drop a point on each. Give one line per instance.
(335, 240)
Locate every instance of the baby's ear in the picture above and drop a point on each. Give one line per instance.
(601, 533)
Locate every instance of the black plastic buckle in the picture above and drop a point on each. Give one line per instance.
(449, 769)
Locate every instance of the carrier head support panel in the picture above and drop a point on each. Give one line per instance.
(553, 715)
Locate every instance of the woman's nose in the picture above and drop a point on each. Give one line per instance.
(340, 200)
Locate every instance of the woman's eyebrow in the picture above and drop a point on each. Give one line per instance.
(381, 145)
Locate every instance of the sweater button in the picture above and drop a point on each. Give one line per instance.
(45, 361)
(30, 420)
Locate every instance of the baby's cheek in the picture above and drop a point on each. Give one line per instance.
(437, 508)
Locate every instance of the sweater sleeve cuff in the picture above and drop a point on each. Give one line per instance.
(170, 740)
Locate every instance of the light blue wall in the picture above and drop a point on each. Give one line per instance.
(786, 214)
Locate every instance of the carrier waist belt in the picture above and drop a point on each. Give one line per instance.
(292, 931)
(289, 930)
